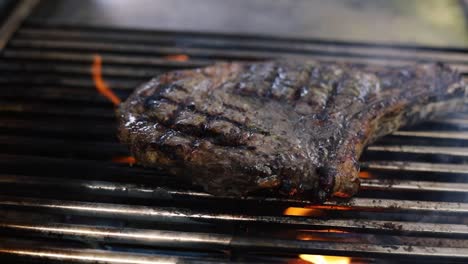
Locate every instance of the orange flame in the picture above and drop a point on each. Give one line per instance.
(177, 57)
(99, 83)
(300, 211)
(129, 159)
(321, 235)
(315, 237)
(365, 175)
(319, 259)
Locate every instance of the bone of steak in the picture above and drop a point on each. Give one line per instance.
(289, 126)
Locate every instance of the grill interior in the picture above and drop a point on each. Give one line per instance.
(64, 198)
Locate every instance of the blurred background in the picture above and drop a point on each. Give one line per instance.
(430, 22)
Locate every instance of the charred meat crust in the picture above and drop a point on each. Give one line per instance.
(289, 126)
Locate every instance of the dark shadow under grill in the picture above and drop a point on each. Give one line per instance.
(64, 199)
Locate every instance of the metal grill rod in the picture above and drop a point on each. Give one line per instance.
(37, 251)
(116, 59)
(193, 45)
(146, 236)
(152, 213)
(454, 121)
(242, 243)
(162, 62)
(433, 150)
(433, 134)
(84, 70)
(124, 235)
(416, 166)
(401, 185)
(132, 190)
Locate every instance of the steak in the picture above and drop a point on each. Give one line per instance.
(293, 127)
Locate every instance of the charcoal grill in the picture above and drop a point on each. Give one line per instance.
(65, 199)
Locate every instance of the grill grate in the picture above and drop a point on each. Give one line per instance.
(63, 199)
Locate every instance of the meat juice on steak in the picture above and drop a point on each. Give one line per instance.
(294, 127)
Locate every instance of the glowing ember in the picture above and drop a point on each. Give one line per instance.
(177, 57)
(129, 159)
(99, 83)
(328, 235)
(300, 211)
(319, 259)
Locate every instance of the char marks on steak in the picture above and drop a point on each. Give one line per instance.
(289, 126)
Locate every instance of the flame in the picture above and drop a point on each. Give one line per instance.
(314, 237)
(300, 211)
(101, 86)
(177, 57)
(319, 259)
(307, 237)
(365, 175)
(322, 235)
(128, 159)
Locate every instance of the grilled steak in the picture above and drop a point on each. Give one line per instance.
(292, 127)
